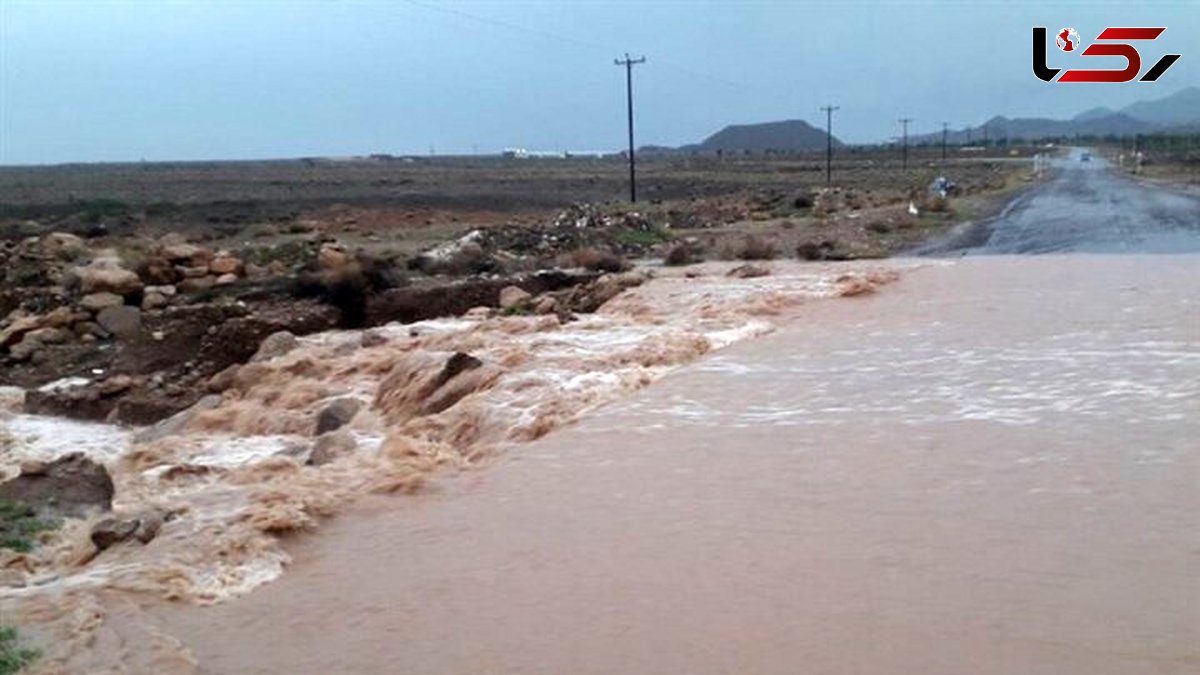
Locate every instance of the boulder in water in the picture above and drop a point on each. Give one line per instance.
(71, 485)
(337, 414)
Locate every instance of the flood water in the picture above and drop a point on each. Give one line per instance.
(989, 467)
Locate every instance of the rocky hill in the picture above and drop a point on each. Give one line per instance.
(782, 136)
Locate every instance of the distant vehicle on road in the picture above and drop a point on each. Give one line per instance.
(1085, 157)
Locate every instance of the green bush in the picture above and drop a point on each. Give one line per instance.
(13, 657)
(18, 524)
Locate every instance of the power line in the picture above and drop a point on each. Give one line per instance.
(904, 123)
(774, 89)
(629, 64)
(829, 143)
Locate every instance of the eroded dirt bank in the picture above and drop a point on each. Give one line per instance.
(987, 469)
(308, 426)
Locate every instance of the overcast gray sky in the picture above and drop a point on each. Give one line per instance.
(95, 80)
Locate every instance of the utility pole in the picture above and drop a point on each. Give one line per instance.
(945, 125)
(904, 123)
(629, 64)
(829, 143)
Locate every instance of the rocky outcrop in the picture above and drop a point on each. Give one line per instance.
(70, 486)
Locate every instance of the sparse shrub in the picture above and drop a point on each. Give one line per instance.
(811, 250)
(594, 259)
(349, 289)
(879, 227)
(935, 204)
(13, 657)
(804, 200)
(683, 253)
(18, 525)
(638, 238)
(787, 224)
(754, 247)
(95, 210)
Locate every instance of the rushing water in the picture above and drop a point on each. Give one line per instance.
(234, 480)
(990, 468)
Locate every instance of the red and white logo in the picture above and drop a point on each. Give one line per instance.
(1106, 44)
(1067, 39)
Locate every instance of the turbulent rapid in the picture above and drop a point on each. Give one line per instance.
(245, 468)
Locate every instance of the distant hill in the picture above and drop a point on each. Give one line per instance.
(1093, 114)
(1178, 113)
(785, 136)
(1182, 107)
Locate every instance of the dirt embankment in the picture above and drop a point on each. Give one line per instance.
(139, 290)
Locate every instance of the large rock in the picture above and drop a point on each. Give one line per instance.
(151, 301)
(332, 445)
(17, 330)
(332, 257)
(275, 345)
(112, 531)
(176, 423)
(195, 285)
(512, 297)
(48, 336)
(225, 263)
(101, 279)
(95, 302)
(63, 246)
(70, 486)
(337, 414)
(124, 322)
(189, 255)
(590, 297)
(159, 271)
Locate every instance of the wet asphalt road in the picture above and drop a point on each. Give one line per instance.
(1086, 207)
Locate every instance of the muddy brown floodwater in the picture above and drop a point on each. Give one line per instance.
(990, 467)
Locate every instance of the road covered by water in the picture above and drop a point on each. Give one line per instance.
(990, 467)
(1085, 207)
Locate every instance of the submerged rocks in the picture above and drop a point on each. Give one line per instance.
(332, 445)
(337, 414)
(748, 271)
(71, 485)
(112, 531)
(590, 297)
(176, 423)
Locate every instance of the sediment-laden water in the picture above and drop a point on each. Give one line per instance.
(239, 476)
(990, 467)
